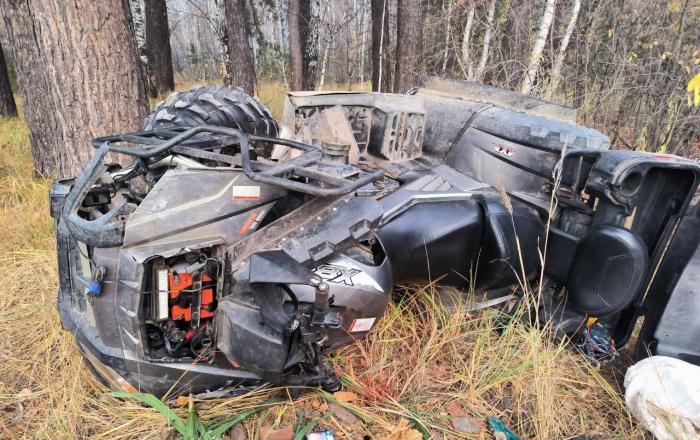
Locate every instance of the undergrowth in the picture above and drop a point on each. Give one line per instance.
(419, 360)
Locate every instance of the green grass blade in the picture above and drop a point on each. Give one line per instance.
(220, 428)
(155, 403)
(194, 424)
(305, 430)
(418, 424)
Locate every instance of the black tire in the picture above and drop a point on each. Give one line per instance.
(215, 105)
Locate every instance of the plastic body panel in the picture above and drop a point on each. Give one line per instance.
(679, 327)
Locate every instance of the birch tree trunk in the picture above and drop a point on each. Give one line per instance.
(309, 38)
(328, 18)
(487, 42)
(536, 54)
(281, 41)
(561, 54)
(78, 70)
(363, 47)
(8, 108)
(408, 46)
(138, 24)
(242, 65)
(381, 69)
(448, 31)
(466, 57)
(324, 63)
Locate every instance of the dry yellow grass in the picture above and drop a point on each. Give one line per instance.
(419, 360)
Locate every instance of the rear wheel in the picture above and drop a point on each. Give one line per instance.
(216, 105)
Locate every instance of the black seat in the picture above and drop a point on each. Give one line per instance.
(608, 270)
(433, 240)
(500, 257)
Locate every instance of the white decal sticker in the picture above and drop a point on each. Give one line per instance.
(361, 325)
(245, 192)
(162, 294)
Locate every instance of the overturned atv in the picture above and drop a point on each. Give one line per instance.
(226, 256)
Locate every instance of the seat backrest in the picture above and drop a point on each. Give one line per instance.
(431, 241)
(608, 271)
(509, 237)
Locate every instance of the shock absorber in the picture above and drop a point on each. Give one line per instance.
(321, 304)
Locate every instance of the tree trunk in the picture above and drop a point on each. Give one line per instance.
(466, 56)
(681, 30)
(296, 55)
(308, 35)
(408, 47)
(448, 30)
(8, 108)
(160, 65)
(514, 43)
(363, 47)
(138, 27)
(79, 74)
(487, 41)
(217, 21)
(324, 63)
(281, 41)
(329, 21)
(303, 45)
(381, 68)
(240, 53)
(536, 54)
(559, 62)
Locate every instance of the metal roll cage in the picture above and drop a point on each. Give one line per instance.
(108, 229)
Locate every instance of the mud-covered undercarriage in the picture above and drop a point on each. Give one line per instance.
(227, 254)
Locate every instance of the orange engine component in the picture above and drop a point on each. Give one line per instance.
(183, 281)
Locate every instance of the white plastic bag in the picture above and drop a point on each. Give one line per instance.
(664, 393)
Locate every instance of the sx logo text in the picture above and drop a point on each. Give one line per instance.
(336, 274)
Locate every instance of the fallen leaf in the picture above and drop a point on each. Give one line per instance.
(343, 414)
(312, 414)
(267, 433)
(466, 424)
(315, 403)
(455, 410)
(345, 396)
(404, 431)
(238, 433)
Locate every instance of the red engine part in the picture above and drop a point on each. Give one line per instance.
(183, 281)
